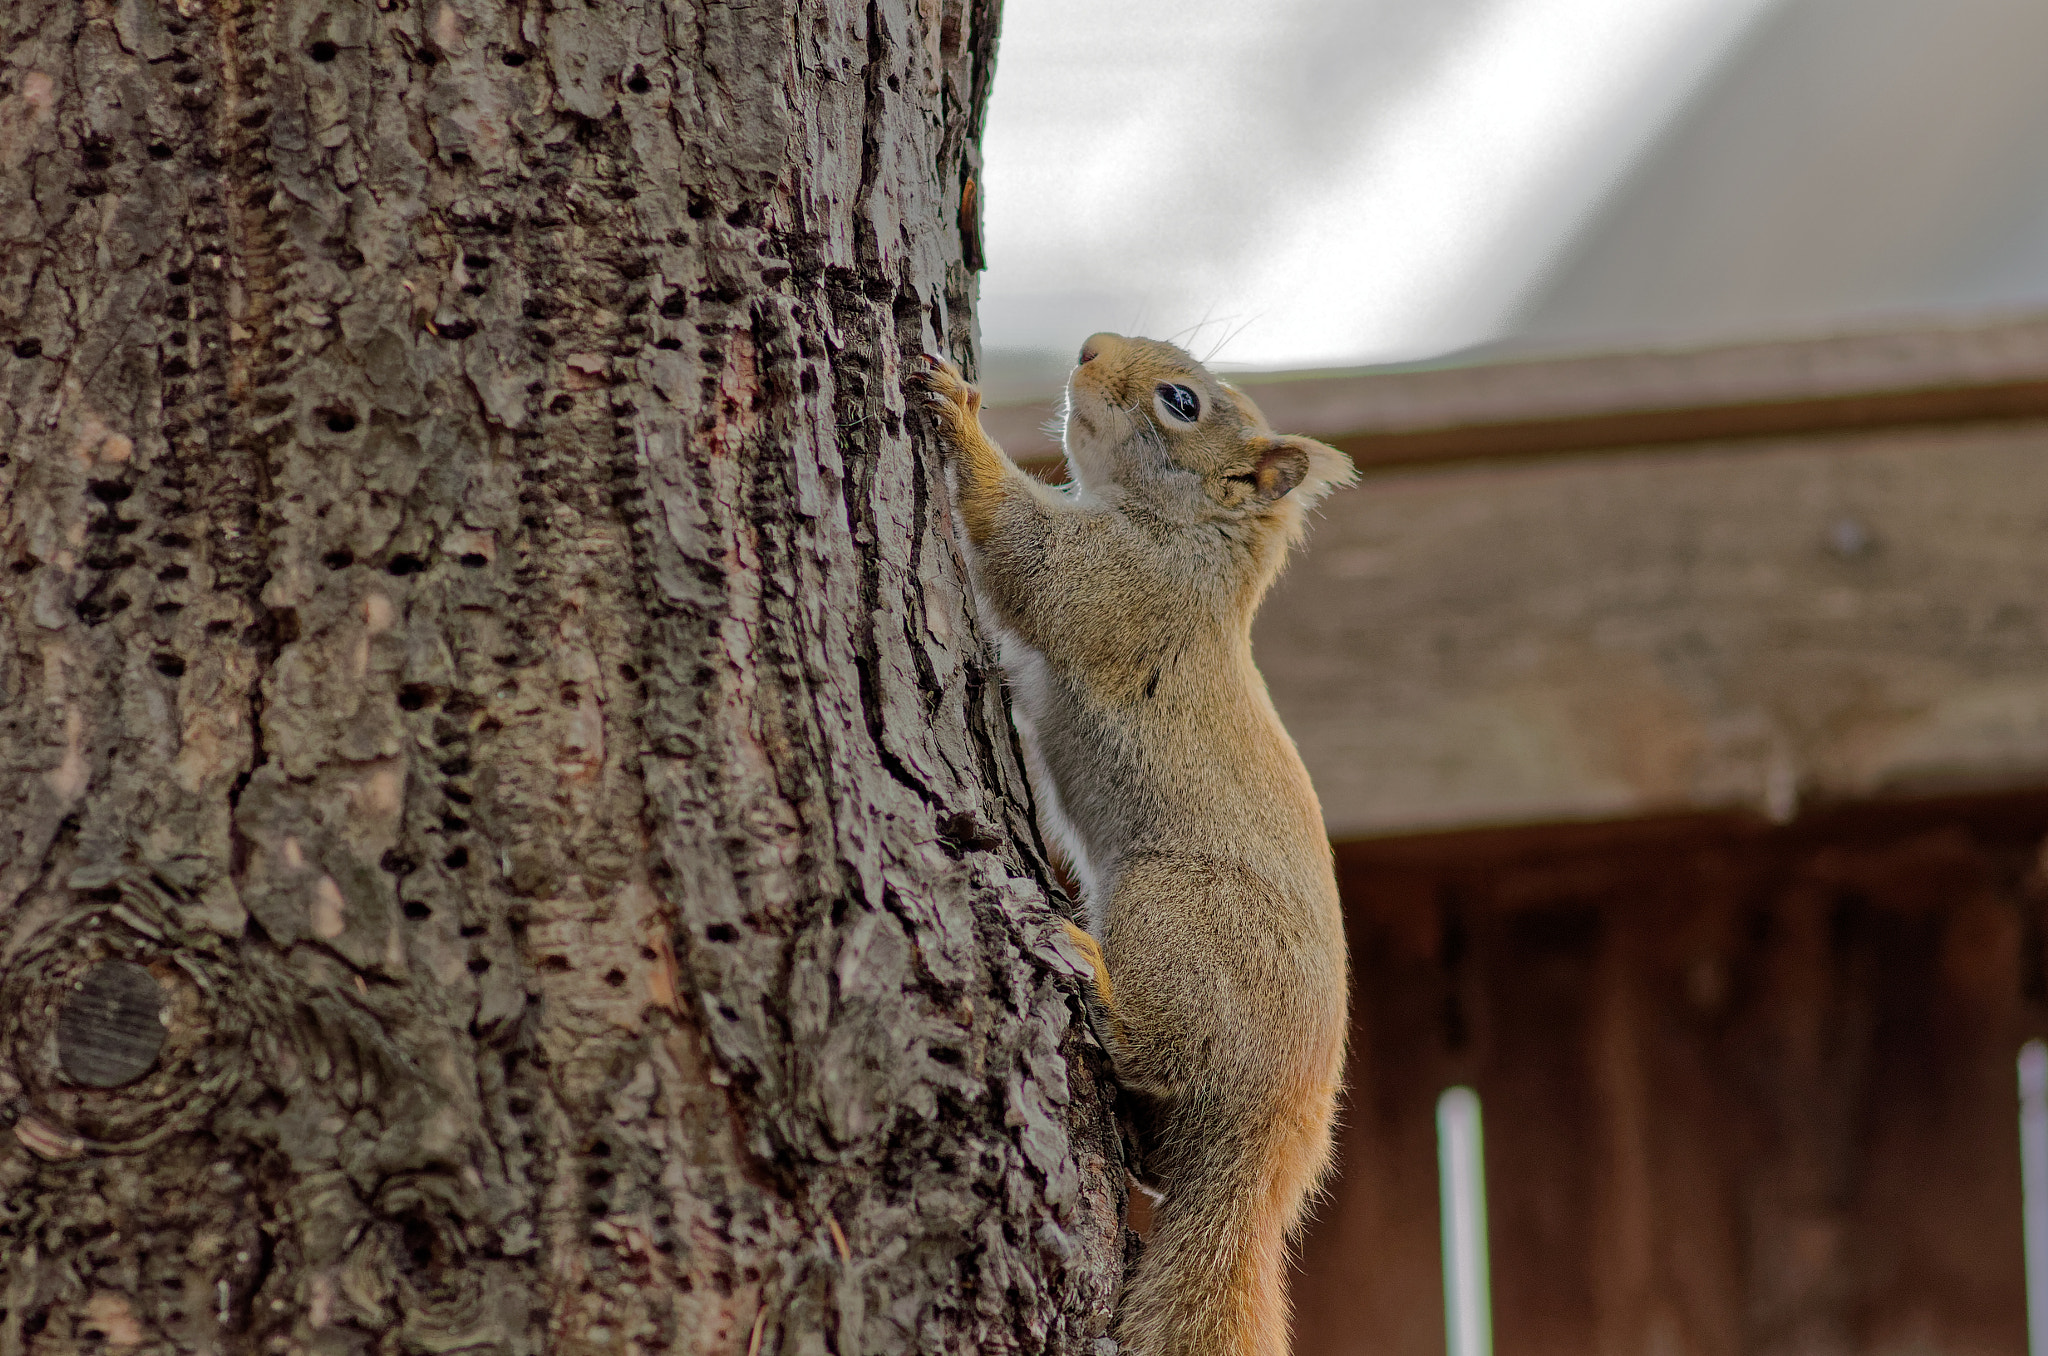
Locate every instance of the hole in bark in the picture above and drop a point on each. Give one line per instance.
(417, 1238)
(414, 697)
(177, 541)
(23, 567)
(456, 767)
(417, 911)
(457, 859)
(807, 382)
(169, 665)
(454, 823)
(177, 367)
(629, 673)
(339, 560)
(189, 75)
(895, 84)
(219, 628)
(639, 84)
(340, 420)
(722, 932)
(405, 564)
(429, 57)
(472, 560)
(178, 277)
(600, 1178)
(460, 329)
(323, 51)
(470, 930)
(171, 574)
(554, 964)
(647, 953)
(514, 58)
(459, 796)
(543, 338)
(254, 120)
(479, 965)
(397, 863)
(95, 155)
(941, 1055)
(675, 305)
(476, 261)
(159, 151)
(29, 348)
(668, 343)
(562, 404)
(615, 978)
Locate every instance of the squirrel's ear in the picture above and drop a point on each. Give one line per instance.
(1279, 470)
(1291, 461)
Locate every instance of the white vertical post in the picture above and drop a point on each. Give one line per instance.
(1461, 1172)
(2034, 1188)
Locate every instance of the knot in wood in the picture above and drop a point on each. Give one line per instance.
(110, 1029)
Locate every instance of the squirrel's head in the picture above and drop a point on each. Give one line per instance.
(1145, 417)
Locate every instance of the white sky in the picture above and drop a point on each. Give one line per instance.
(1308, 183)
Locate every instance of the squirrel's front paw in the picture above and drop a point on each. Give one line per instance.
(947, 389)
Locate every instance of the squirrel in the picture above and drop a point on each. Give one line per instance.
(1123, 604)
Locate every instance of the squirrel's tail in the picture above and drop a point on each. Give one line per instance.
(1212, 1279)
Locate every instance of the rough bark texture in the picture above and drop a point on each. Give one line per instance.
(481, 654)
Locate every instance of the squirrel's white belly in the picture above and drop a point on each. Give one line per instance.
(1034, 696)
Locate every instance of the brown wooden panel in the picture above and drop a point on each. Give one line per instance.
(1747, 1089)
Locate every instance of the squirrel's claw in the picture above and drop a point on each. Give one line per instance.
(944, 386)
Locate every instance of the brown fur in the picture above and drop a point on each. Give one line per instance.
(1125, 605)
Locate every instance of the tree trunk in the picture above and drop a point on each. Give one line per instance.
(510, 837)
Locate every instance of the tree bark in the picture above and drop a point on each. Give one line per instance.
(510, 837)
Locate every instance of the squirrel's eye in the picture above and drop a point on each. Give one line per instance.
(1181, 403)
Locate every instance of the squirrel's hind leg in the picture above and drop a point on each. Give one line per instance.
(1091, 950)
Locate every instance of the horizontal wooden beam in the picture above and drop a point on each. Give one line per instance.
(1542, 407)
(1697, 424)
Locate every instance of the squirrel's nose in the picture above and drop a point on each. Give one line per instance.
(1096, 345)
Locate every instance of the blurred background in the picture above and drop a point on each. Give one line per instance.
(1314, 184)
(1675, 681)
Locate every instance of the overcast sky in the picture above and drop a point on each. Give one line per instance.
(1314, 182)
